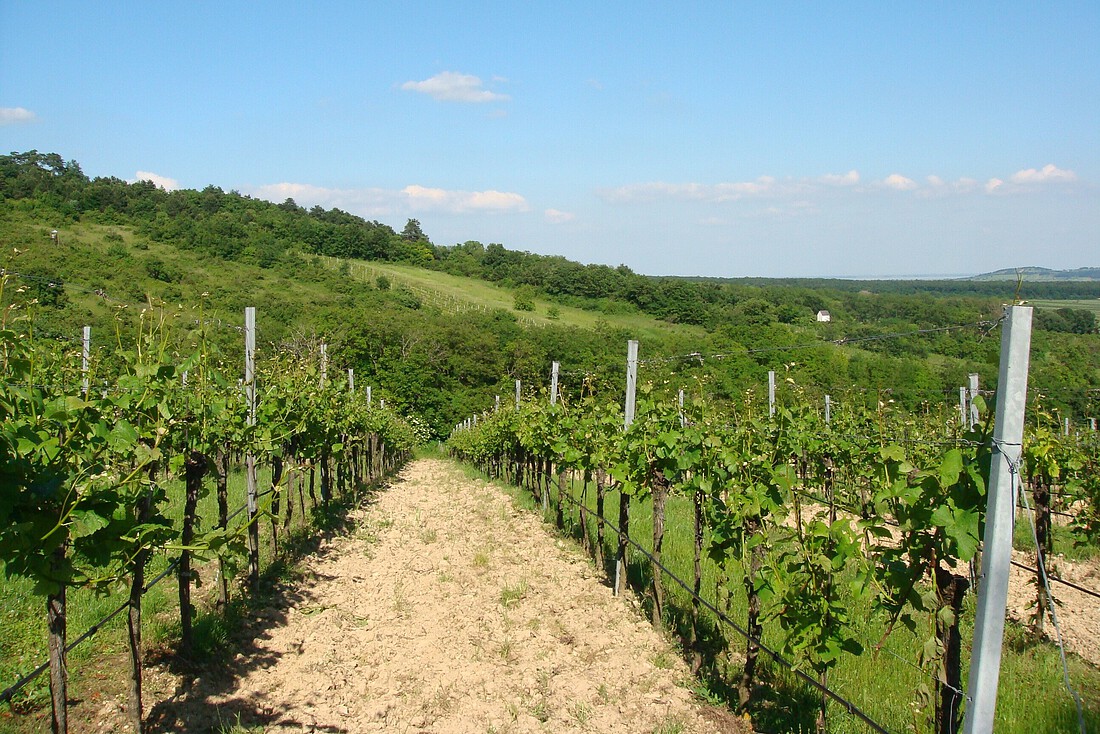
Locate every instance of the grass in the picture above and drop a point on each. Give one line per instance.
(1087, 304)
(458, 293)
(1032, 697)
(513, 594)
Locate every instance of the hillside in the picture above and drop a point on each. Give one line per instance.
(1042, 275)
(436, 328)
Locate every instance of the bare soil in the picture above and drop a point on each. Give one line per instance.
(446, 610)
(1078, 613)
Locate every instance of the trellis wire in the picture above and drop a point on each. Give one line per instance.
(1053, 614)
(850, 707)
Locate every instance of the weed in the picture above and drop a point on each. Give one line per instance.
(507, 652)
(541, 711)
(663, 660)
(238, 728)
(512, 595)
(669, 725)
(581, 712)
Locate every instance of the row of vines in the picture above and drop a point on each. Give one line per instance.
(810, 523)
(87, 451)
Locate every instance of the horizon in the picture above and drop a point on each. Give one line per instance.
(866, 141)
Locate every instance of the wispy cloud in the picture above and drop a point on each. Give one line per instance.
(378, 202)
(366, 202)
(899, 183)
(452, 86)
(1047, 174)
(659, 190)
(555, 216)
(851, 178)
(16, 116)
(775, 188)
(168, 184)
(458, 202)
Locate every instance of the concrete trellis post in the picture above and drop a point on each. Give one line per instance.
(351, 380)
(86, 358)
(628, 410)
(631, 381)
(519, 386)
(554, 383)
(828, 410)
(973, 393)
(771, 392)
(250, 458)
(989, 622)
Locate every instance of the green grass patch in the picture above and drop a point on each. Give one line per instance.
(459, 294)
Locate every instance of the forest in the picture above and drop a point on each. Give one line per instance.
(85, 247)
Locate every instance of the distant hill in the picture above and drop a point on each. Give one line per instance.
(1033, 274)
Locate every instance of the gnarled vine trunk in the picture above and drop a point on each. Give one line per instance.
(754, 563)
(56, 621)
(950, 590)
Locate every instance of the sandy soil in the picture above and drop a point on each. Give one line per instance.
(1078, 613)
(447, 610)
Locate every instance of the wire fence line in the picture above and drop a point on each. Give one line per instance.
(24, 680)
(1045, 589)
(848, 706)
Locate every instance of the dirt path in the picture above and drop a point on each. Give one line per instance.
(446, 611)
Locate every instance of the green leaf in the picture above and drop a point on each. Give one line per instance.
(950, 468)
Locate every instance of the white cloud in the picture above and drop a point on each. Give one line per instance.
(16, 116)
(377, 202)
(899, 183)
(851, 178)
(1048, 173)
(367, 202)
(168, 184)
(659, 190)
(451, 86)
(993, 184)
(938, 186)
(554, 216)
(420, 197)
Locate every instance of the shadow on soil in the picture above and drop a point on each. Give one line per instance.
(780, 702)
(227, 642)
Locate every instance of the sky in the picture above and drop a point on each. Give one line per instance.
(708, 138)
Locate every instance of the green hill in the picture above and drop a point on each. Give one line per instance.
(436, 328)
(1042, 275)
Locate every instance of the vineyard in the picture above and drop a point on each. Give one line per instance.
(108, 456)
(812, 558)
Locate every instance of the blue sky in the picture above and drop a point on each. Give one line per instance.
(730, 139)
